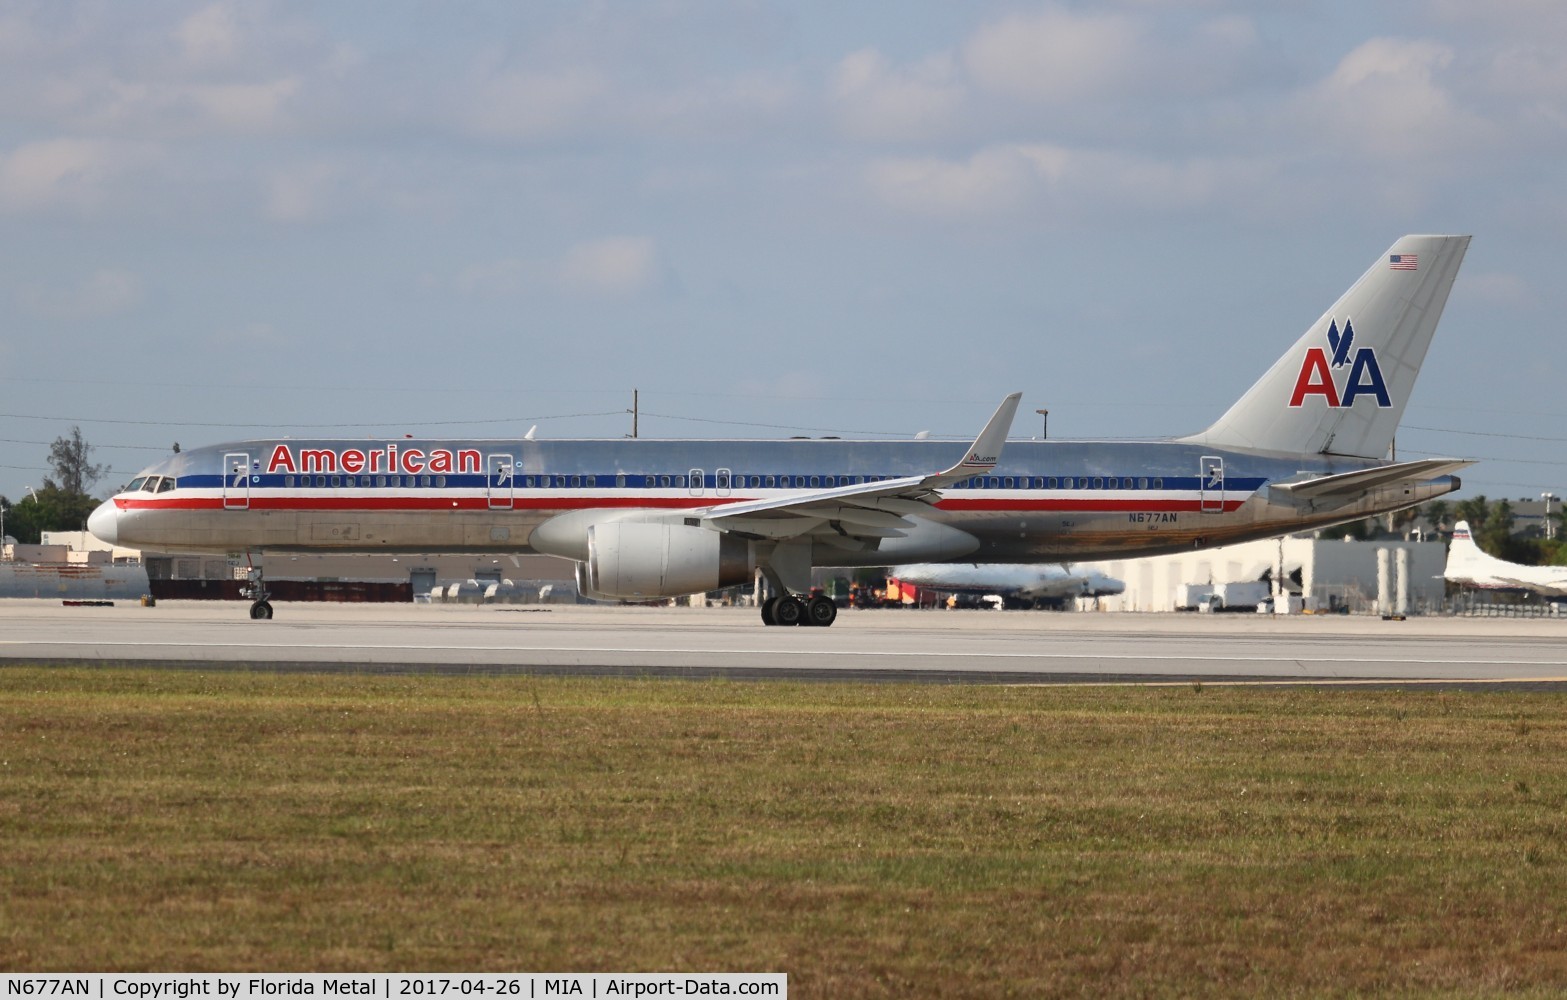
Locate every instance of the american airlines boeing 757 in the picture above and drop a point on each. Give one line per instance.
(1304, 448)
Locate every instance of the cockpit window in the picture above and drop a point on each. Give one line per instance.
(135, 484)
(165, 485)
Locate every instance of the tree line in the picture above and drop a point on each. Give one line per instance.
(1491, 523)
(64, 500)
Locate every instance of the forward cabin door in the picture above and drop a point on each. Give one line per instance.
(1212, 484)
(236, 480)
(500, 482)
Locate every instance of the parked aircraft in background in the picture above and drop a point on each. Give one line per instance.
(1017, 586)
(1471, 566)
(645, 519)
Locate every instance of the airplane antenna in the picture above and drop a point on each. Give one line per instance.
(634, 412)
(921, 435)
(531, 430)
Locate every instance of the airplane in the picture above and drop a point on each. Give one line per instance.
(645, 519)
(1471, 566)
(1017, 586)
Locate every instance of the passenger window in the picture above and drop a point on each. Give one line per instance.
(380, 480)
(831, 480)
(440, 480)
(1158, 483)
(337, 482)
(816, 482)
(593, 481)
(288, 481)
(1008, 482)
(321, 481)
(424, 480)
(1142, 484)
(620, 482)
(351, 481)
(576, 481)
(1099, 482)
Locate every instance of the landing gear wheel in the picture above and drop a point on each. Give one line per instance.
(789, 611)
(769, 606)
(261, 611)
(820, 611)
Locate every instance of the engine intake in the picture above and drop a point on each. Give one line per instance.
(638, 561)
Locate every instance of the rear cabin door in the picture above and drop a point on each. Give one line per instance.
(236, 480)
(1212, 484)
(500, 482)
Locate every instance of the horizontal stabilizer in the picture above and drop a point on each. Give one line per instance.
(1346, 484)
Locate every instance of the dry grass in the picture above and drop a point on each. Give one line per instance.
(869, 841)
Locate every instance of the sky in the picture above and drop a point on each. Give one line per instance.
(224, 220)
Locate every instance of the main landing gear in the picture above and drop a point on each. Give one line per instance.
(256, 589)
(790, 610)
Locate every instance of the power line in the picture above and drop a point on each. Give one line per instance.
(297, 426)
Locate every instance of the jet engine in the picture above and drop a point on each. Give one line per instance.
(630, 560)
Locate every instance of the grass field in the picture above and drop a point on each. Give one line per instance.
(867, 840)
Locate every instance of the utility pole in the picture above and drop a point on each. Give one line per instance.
(1550, 529)
(1044, 424)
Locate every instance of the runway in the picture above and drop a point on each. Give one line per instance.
(925, 646)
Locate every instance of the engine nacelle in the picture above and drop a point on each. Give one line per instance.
(630, 560)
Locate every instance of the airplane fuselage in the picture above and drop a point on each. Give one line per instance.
(1045, 501)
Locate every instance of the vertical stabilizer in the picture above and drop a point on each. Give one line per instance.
(1463, 555)
(1343, 387)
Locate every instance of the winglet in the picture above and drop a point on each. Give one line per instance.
(983, 455)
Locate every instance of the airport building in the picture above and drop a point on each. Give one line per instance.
(1323, 574)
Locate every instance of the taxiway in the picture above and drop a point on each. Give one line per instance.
(930, 646)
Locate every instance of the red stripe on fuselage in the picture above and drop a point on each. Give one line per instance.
(422, 503)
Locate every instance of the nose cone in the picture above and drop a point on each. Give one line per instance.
(104, 523)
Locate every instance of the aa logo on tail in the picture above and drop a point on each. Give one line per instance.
(1316, 376)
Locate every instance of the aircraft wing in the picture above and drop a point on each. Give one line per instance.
(1539, 586)
(1347, 485)
(865, 510)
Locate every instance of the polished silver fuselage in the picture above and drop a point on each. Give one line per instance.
(1045, 501)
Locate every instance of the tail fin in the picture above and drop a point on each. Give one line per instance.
(1463, 553)
(1342, 388)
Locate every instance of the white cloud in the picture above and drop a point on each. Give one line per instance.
(70, 174)
(1055, 55)
(508, 276)
(210, 36)
(105, 292)
(874, 100)
(306, 193)
(529, 105)
(1386, 99)
(994, 180)
(1008, 178)
(615, 265)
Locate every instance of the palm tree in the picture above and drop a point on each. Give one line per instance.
(1474, 511)
(1436, 513)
